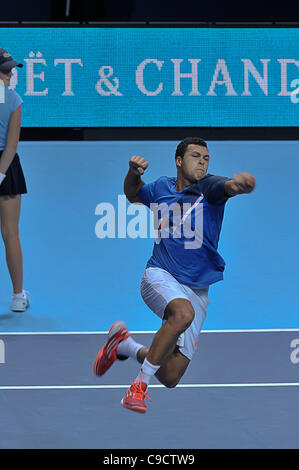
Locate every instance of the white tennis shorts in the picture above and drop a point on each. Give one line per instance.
(159, 287)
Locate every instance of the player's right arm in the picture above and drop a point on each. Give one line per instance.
(133, 181)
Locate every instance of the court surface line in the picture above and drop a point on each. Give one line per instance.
(89, 387)
(268, 330)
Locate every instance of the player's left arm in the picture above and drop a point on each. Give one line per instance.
(13, 135)
(241, 183)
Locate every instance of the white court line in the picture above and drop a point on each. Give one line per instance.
(89, 387)
(268, 330)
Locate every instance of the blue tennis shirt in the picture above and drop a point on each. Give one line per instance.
(9, 102)
(188, 225)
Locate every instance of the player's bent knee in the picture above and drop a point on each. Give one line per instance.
(180, 314)
(184, 318)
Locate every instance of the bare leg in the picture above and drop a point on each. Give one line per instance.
(172, 369)
(142, 353)
(163, 350)
(10, 207)
(179, 314)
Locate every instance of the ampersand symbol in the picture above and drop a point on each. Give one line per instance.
(105, 72)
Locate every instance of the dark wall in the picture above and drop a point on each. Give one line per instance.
(17, 10)
(149, 10)
(225, 10)
(183, 10)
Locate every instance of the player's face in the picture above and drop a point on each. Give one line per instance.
(194, 165)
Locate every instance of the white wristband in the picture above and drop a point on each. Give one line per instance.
(2, 176)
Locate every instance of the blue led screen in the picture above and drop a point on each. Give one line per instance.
(156, 77)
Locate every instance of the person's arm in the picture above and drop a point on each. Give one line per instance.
(240, 184)
(13, 135)
(133, 181)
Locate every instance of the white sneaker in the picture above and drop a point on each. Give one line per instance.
(19, 304)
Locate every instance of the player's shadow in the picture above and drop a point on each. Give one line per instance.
(26, 321)
(7, 316)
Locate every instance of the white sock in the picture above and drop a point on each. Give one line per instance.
(147, 371)
(21, 295)
(128, 347)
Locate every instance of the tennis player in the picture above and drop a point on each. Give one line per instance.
(12, 181)
(185, 262)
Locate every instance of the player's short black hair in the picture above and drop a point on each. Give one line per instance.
(182, 147)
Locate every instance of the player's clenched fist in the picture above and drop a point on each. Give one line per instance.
(243, 183)
(138, 165)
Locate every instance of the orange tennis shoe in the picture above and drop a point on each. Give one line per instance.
(108, 354)
(134, 397)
